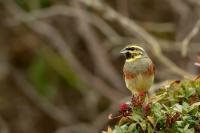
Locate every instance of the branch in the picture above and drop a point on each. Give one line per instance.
(58, 42)
(4, 126)
(136, 30)
(188, 38)
(95, 48)
(67, 11)
(61, 116)
(99, 55)
(80, 127)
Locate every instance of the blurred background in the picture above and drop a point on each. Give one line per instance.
(60, 67)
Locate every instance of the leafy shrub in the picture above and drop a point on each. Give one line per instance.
(174, 108)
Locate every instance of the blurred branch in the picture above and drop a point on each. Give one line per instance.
(197, 63)
(3, 126)
(180, 7)
(97, 51)
(58, 42)
(157, 27)
(101, 120)
(165, 45)
(80, 127)
(61, 116)
(122, 6)
(99, 55)
(136, 30)
(188, 38)
(67, 11)
(194, 2)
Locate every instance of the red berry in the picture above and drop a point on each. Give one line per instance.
(142, 93)
(146, 107)
(136, 101)
(123, 107)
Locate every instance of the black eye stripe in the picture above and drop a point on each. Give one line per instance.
(128, 55)
(132, 49)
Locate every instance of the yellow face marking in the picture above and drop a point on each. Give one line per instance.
(134, 58)
(135, 52)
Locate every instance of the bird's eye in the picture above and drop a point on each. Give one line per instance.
(128, 55)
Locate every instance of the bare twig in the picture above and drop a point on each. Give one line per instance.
(157, 27)
(79, 127)
(3, 126)
(194, 2)
(197, 64)
(58, 42)
(101, 119)
(99, 55)
(136, 30)
(69, 12)
(122, 6)
(188, 38)
(61, 116)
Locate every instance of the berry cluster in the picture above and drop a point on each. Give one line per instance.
(125, 109)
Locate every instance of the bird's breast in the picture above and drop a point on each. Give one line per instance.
(143, 66)
(139, 75)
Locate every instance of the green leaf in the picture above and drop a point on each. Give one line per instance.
(143, 125)
(150, 128)
(132, 128)
(23, 4)
(194, 105)
(136, 117)
(189, 91)
(42, 78)
(123, 120)
(171, 107)
(45, 3)
(178, 108)
(121, 129)
(180, 123)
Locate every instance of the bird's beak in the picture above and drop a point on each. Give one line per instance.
(123, 51)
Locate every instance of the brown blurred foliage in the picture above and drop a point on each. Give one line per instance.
(60, 68)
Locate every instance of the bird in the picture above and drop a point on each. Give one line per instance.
(138, 69)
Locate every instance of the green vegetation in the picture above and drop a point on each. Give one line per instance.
(174, 108)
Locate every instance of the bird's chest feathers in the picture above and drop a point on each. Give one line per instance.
(139, 74)
(143, 66)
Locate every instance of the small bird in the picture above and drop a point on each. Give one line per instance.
(138, 69)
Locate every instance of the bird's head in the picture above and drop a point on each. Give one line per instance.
(133, 52)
